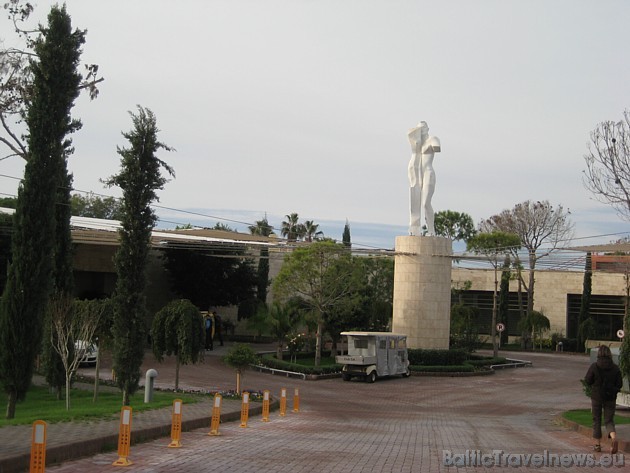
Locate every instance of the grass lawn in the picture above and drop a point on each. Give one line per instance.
(41, 404)
(583, 417)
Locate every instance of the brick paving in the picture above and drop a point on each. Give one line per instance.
(393, 425)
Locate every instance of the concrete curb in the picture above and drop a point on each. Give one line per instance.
(61, 453)
(624, 445)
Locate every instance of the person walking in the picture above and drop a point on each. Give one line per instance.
(218, 327)
(605, 379)
(209, 326)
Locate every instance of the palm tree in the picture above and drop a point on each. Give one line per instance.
(311, 230)
(291, 228)
(262, 228)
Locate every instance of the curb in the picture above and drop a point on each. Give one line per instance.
(107, 443)
(624, 445)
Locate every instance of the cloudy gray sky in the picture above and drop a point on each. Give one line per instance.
(304, 105)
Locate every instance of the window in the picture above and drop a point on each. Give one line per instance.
(360, 343)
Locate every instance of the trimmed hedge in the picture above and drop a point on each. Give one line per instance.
(476, 360)
(270, 361)
(422, 357)
(464, 368)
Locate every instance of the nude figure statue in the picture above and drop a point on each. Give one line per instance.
(421, 178)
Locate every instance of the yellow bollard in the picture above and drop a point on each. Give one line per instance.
(216, 415)
(176, 425)
(245, 409)
(265, 407)
(283, 402)
(124, 438)
(296, 400)
(38, 447)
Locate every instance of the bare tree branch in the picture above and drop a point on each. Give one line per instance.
(607, 173)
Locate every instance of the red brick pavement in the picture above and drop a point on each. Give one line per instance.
(394, 425)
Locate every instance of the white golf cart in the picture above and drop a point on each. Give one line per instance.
(374, 354)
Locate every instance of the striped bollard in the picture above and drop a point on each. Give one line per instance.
(283, 402)
(245, 409)
(216, 415)
(38, 447)
(296, 400)
(124, 437)
(176, 424)
(265, 406)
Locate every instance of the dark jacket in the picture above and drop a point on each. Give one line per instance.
(602, 368)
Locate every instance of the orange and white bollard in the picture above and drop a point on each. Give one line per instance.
(124, 438)
(38, 447)
(216, 415)
(265, 406)
(245, 409)
(283, 402)
(296, 400)
(176, 424)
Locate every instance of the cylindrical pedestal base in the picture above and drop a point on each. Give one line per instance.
(422, 291)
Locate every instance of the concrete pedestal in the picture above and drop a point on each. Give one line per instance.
(422, 291)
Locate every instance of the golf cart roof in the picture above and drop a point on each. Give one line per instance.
(373, 334)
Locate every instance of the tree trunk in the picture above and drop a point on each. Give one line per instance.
(318, 344)
(493, 331)
(125, 399)
(176, 372)
(238, 381)
(279, 351)
(68, 376)
(97, 369)
(11, 400)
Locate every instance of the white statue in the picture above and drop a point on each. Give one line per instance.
(421, 178)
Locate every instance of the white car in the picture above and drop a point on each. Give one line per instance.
(87, 352)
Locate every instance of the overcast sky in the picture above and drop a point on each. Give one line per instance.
(304, 105)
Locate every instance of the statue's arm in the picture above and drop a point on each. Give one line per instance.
(433, 145)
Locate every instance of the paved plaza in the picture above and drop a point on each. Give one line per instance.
(419, 424)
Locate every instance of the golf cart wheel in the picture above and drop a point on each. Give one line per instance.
(371, 377)
(345, 376)
(406, 374)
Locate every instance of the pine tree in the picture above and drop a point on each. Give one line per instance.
(30, 279)
(139, 178)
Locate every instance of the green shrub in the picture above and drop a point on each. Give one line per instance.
(464, 368)
(480, 361)
(421, 357)
(270, 361)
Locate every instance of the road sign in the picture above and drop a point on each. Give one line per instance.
(500, 327)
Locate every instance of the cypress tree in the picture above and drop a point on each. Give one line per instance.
(139, 178)
(30, 278)
(345, 239)
(262, 228)
(63, 280)
(585, 302)
(504, 298)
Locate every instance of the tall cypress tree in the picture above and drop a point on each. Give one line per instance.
(585, 302)
(30, 279)
(139, 178)
(346, 235)
(504, 298)
(63, 280)
(262, 228)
